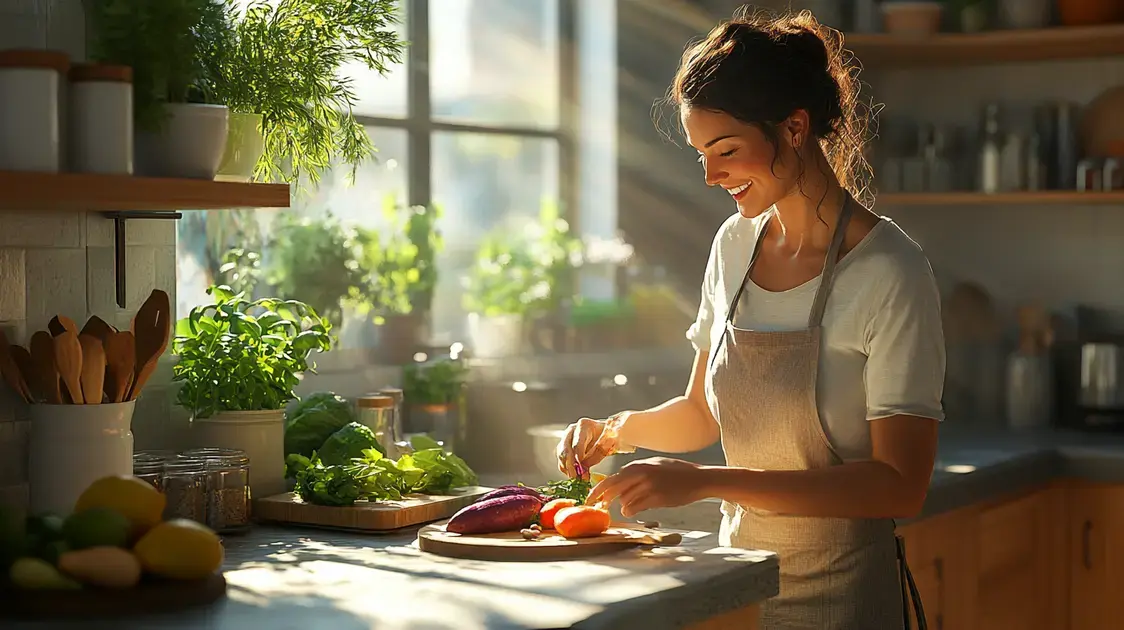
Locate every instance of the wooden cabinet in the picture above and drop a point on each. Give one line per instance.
(941, 555)
(1096, 556)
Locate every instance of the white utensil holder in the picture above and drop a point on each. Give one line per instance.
(259, 434)
(72, 446)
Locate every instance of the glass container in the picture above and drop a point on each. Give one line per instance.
(228, 488)
(185, 486)
(149, 468)
(377, 413)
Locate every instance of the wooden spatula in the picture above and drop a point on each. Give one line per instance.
(97, 328)
(26, 367)
(152, 326)
(93, 369)
(60, 324)
(43, 364)
(68, 361)
(120, 359)
(11, 371)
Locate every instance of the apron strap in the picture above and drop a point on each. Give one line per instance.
(815, 318)
(910, 593)
(731, 311)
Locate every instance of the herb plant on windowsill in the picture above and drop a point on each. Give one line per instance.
(239, 362)
(434, 394)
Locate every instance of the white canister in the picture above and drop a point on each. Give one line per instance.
(259, 434)
(100, 115)
(72, 446)
(29, 109)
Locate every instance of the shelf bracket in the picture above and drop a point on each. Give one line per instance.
(119, 219)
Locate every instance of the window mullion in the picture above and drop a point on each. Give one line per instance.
(418, 104)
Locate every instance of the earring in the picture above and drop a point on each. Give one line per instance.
(795, 142)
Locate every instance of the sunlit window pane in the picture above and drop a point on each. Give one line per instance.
(482, 181)
(381, 94)
(495, 62)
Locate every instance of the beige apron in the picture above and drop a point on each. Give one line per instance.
(835, 573)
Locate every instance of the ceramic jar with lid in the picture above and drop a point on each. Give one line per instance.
(30, 84)
(100, 119)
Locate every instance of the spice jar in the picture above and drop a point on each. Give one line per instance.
(29, 99)
(149, 468)
(228, 488)
(376, 412)
(100, 115)
(185, 486)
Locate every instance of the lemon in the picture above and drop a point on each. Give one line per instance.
(180, 549)
(133, 498)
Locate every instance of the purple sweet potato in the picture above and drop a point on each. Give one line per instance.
(509, 513)
(505, 491)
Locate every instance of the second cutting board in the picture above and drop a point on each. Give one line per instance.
(382, 516)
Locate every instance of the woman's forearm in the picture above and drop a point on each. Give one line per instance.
(677, 426)
(868, 489)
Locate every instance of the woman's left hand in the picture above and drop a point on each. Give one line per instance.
(651, 483)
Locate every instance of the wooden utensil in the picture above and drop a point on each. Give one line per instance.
(60, 324)
(93, 369)
(512, 547)
(43, 365)
(120, 359)
(97, 328)
(26, 367)
(68, 361)
(11, 371)
(151, 327)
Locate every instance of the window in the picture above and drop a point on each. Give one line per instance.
(473, 121)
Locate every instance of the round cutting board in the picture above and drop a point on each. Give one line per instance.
(511, 547)
(151, 596)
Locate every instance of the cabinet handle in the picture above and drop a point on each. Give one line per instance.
(1086, 554)
(938, 568)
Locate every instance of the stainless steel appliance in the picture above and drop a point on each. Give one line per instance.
(1101, 389)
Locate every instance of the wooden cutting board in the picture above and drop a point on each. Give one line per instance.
(149, 597)
(511, 547)
(366, 517)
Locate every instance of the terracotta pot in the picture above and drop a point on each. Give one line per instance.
(1090, 12)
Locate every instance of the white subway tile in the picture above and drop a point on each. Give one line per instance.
(150, 232)
(100, 282)
(140, 278)
(41, 229)
(56, 284)
(165, 278)
(99, 230)
(12, 288)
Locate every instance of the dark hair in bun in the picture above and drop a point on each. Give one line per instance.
(760, 67)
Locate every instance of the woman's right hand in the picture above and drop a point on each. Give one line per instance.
(585, 441)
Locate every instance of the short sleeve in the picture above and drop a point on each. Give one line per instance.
(905, 366)
(699, 332)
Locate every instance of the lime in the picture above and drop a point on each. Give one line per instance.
(96, 527)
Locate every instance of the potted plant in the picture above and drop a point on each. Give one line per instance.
(515, 277)
(181, 127)
(434, 395)
(238, 363)
(291, 105)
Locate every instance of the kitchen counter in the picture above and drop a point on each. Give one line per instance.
(282, 578)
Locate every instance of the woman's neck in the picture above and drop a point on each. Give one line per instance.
(805, 219)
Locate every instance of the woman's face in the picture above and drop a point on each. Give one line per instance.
(739, 158)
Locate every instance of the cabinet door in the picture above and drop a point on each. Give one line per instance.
(1096, 550)
(1014, 577)
(941, 554)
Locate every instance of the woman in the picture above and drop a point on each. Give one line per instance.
(820, 359)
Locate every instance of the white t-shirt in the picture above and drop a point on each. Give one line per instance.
(883, 341)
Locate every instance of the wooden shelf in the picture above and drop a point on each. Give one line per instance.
(1056, 197)
(108, 193)
(993, 47)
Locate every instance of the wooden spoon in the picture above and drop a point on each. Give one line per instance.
(11, 371)
(60, 324)
(120, 359)
(93, 369)
(68, 361)
(97, 328)
(26, 367)
(152, 327)
(43, 364)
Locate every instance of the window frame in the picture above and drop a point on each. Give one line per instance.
(420, 125)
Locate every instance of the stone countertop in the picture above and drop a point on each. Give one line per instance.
(303, 579)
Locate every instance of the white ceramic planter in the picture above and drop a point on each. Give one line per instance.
(495, 336)
(260, 434)
(190, 144)
(244, 147)
(72, 446)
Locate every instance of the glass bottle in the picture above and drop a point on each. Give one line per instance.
(377, 413)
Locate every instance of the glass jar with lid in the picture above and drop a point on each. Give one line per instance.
(185, 486)
(228, 488)
(377, 413)
(149, 467)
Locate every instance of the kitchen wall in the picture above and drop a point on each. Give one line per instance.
(62, 263)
